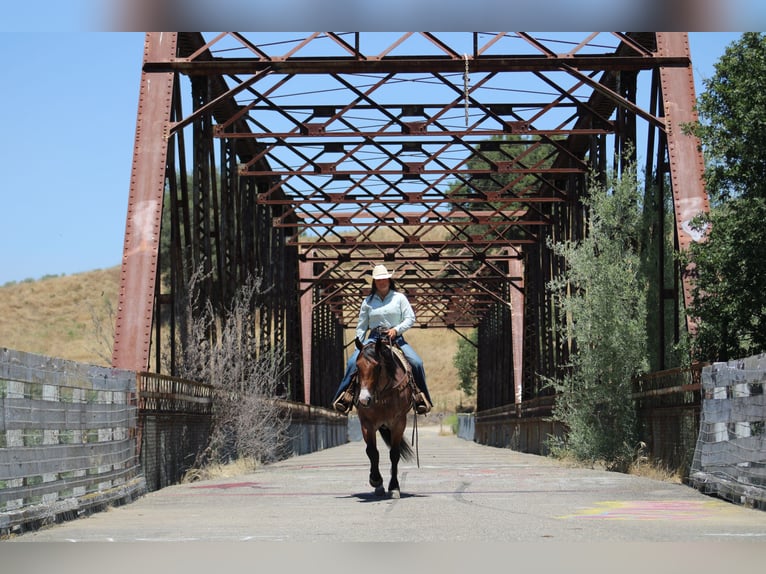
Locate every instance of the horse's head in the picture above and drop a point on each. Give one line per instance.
(376, 368)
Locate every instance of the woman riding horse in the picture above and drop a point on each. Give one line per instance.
(385, 397)
(390, 309)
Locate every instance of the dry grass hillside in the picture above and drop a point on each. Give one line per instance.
(60, 316)
(54, 316)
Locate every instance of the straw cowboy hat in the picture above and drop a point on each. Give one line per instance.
(380, 272)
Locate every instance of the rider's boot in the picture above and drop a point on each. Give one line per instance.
(343, 403)
(346, 399)
(422, 404)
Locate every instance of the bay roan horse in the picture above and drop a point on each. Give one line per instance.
(383, 401)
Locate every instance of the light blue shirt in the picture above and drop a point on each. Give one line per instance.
(393, 311)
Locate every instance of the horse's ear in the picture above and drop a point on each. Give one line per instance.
(358, 343)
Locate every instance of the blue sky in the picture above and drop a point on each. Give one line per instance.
(68, 113)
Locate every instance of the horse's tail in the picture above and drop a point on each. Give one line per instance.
(405, 450)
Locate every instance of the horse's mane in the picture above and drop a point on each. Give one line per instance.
(381, 352)
(388, 359)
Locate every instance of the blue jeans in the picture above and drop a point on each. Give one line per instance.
(418, 372)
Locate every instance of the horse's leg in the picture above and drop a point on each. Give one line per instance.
(393, 484)
(397, 434)
(376, 479)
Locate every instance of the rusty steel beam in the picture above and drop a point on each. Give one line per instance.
(317, 131)
(419, 169)
(684, 151)
(138, 277)
(459, 182)
(392, 64)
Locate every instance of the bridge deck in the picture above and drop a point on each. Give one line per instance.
(462, 491)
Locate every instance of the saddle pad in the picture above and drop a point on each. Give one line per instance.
(402, 360)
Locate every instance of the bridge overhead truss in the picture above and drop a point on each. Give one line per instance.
(453, 158)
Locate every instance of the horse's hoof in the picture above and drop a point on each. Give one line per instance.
(396, 494)
(380, 491)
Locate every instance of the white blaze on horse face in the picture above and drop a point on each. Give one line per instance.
(365, 398)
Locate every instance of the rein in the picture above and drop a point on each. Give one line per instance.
(391, 383)
(414, 439)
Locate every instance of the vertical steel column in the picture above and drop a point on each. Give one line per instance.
(142, 229)
(180, 265)
(307, 333)
(533, 283)
(686, 163)
(495, 385)
(516, 271)
(327, 357)
(290, 313)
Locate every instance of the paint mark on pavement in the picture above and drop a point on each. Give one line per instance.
(651, 510)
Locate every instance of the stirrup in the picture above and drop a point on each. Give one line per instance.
(422, 404)
(343, 403)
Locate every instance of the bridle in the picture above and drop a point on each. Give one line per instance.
(379, 366)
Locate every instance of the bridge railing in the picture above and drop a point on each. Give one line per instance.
(174, 423)
(78, 438)
(667, 407)
(730, 457)
(175, 417)
(524, 426)
(67, 439)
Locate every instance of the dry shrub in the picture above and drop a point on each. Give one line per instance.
(222, 349)
(643, 465)
(212, 471)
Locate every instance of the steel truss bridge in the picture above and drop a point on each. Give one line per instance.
(453, 158)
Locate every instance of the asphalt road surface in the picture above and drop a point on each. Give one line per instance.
(455, 492)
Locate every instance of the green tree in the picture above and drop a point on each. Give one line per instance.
(465, 363)
(732, 128)
(729, 297)
(602, 300)
(729, 300)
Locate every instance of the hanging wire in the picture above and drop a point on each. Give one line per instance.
(466, 79)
